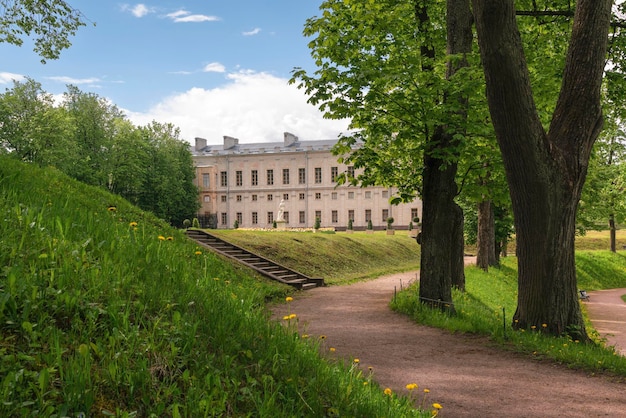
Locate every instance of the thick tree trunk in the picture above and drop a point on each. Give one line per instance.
(486, 255)
(442, 251)
(545, 172)
(612, 231)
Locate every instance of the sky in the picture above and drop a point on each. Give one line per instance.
(213, 68)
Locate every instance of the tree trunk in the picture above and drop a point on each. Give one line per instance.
(458, 250)
(612, 230)
(545, 171)
(441, 252)
(486, 255)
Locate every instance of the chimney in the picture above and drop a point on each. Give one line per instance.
(200, 144)
(290, 139)
(230, 142)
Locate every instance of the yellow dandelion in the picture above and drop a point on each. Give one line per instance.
(111, 208)
(544, 325)
(305, 336)
(356, 361)
(426, 390)
(411, 386)
(289, 299)
(292, 316)
(387, 392)
(198, 253)
(286, 317)
(170, 238)
(161, 238)
(322, 337)
(331, 349)
(533, 327)
(133, 224)
(370, 368)
(365, 383)
(437, 406)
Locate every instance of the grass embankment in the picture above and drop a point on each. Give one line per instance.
(339, 258)
(105, 310)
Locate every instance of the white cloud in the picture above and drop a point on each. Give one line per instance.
(214, 67)
(254, 31)
(254, 107)
(7, 78)
(75, 81)
(138, 10)
(183, 16)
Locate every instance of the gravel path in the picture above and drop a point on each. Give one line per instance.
(465, 374)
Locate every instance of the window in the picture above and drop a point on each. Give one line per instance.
(206, 180)
(239, 178)
(270, 217)
(207, 198)
(255, 178)
(302, 217)
(318, 215)
(368, 195)
(255, 218)
(414, 213)
(286, 216)
(385, 193)
(270, 177)
(285, 176)
(350, 171)
(334, 216)
(255, 198)
(301, 196)
(302, 176)
(334, 172)
(350, 195)
(223, 198)
(368, 215)
(239, 218)
(285, 196)
(223, 179)
(239, 198)
(385, 214)
(351, 215)
(224, 218)
(333, 195)
(270, 197)
(318, 174)
(318, 196)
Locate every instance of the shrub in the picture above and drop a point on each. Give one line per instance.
(350, 224)
(389, 222)
(236, 224)
(317, 223)
(410, 226)
(186, 223)
(274, 225)
(195, 223)
(369, 225)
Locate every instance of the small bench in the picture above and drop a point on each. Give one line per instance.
(583, 295)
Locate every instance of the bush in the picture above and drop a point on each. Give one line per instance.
(389, 222)
(236, 224)
(410, 226)
(369, 225)
(350, 224)
(186, 223)
(317, 223)
(195, 223)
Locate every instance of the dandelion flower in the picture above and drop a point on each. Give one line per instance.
(305, 336)
(365, 383)
(426, 390)
(411, 386)
(544, 325)
(387, 392)
(533, 327)
(170, 238)
(111, 208)
(331, 349)
(322, 337)
(356, 361)
(437, 406)
(292, 316)
(133, 224)
(289, 299)
(198, 253)
(370, 368)
(161, 238)
(286, 317)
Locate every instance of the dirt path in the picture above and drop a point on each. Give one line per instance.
(607, 312)
(467, 376)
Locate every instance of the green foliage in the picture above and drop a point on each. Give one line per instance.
(488, 303)
(369, 225)
(195, 223)
(390, 221)
(107, 310)
(51, 21)
(317, 223)
(236, 224)
(186, 223)
(350, 224)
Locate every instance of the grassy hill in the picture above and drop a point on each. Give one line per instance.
(107, 311)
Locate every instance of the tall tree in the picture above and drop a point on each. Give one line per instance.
(545, 170)
(51, 21)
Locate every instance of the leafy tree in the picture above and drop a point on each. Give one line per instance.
(33, 129)
(546, 183)
(52, 22)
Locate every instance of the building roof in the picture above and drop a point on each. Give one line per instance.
(291, 143)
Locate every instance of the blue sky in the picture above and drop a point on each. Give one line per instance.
(212, 68)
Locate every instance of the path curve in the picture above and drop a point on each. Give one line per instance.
(465, 374)
(607, 312)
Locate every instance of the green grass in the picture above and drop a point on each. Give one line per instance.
(490, 299)
(105, 310)
(339, 258)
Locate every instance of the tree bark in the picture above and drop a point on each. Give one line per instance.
(612, 231)
(545, 171)
(442, 240)
(486, 255)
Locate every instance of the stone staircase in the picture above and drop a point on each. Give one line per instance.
(262, 265)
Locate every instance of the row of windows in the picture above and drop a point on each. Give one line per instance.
(269, 176)
(302, 216)
(301, 196)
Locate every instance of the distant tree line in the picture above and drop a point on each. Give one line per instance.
(91, 140)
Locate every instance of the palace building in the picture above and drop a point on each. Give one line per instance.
(249, 184)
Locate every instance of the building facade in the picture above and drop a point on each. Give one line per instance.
(250, 183)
